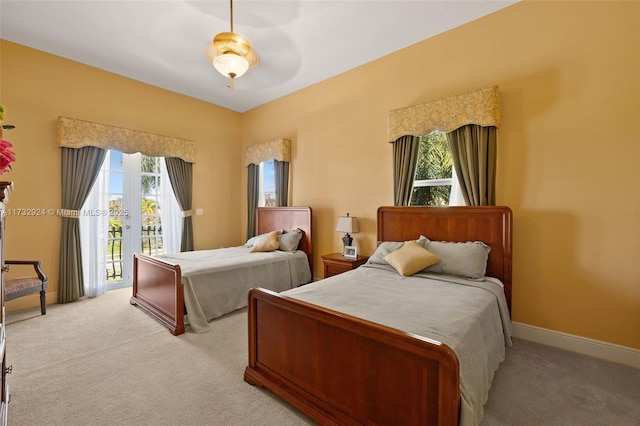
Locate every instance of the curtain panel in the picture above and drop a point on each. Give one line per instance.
(405, 160)
(74, 133)
(253, 188)
(282, 182)
(93, 230)
(473, 152)
(181, 176)
(80, 168)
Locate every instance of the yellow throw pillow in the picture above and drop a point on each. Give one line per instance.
(266, 242)
(411, 258)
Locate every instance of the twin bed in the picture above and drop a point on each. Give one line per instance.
(210, 283)
(370, 346)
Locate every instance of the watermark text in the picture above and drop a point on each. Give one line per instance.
(34, 212)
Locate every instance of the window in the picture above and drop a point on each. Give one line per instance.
(267, 195)
(435, 183)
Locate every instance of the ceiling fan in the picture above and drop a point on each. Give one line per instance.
(231, 54)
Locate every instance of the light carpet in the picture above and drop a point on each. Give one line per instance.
(102, 361)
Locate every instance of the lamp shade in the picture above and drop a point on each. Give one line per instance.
(231, 65)
(348, 224)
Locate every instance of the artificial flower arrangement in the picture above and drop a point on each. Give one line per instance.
(7, 156)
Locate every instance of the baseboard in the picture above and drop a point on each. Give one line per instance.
(30, 301)
(582, 345)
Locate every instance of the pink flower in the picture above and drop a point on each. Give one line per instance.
(7, 156)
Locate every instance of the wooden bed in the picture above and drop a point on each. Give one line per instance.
(382, 375)
(157, 285)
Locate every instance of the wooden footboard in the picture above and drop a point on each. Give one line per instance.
(157, 288)
(343, 370)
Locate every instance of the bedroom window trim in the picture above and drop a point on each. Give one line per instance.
(433, 182)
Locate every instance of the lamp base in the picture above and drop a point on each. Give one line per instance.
(347, 240)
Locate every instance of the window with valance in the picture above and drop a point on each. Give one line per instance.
(470, 121)
(278, 150)
(84, 145)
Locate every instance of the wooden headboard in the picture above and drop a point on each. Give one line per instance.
(288, 218)
(489, 224)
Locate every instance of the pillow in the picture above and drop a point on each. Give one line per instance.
(266, 242)
(289, 241)
(468, 260)
(411, 258)
(251, 241)
(386, 247)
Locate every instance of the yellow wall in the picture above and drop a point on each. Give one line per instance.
(38, 87)
(569, 149)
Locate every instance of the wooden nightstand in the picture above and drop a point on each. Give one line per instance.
(336, 263)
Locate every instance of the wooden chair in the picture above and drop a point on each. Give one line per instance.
(22, 286)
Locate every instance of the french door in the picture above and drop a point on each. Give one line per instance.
(125, 217)
(134, 218)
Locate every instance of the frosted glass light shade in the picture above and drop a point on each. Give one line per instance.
(231, 65)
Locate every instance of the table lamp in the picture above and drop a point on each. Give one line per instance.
(348, 225)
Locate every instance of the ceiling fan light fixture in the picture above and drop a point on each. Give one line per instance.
(231, 65)
(231, 53)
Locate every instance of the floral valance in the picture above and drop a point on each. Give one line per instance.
(480, 107)
(74, 133)
(278, 149)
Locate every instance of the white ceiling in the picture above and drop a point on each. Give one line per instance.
(162, 43)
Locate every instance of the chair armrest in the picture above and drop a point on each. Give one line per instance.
(36, 266)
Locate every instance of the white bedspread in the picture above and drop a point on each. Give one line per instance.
(470, 317)
(217, 281)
